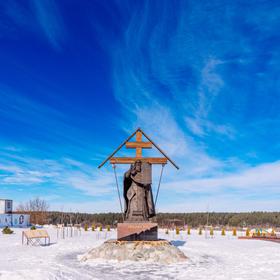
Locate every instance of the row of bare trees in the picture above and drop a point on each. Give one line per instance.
(37, 208)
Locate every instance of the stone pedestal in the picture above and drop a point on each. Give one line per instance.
(159, 252)
(137, 231)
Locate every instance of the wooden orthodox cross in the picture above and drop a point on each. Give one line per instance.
(138, 145)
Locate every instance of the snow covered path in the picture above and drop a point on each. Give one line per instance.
(217, 258)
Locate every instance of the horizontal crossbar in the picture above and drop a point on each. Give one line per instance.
(130, 160)
(132, 145)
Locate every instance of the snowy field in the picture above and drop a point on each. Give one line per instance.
(209, 258)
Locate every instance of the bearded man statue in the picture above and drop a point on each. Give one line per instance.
(138, 196)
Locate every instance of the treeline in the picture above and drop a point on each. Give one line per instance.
(82, 218)
(221, 219)
(174, 219)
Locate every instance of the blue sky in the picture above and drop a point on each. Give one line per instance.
(201, 78)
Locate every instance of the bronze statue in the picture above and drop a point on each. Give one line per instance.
(138, 196)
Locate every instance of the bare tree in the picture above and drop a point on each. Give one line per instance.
(37, 209)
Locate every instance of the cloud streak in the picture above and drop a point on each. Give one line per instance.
(257, 179)
(139, 86)
(50, 20)
(39, 17)
(49, 173)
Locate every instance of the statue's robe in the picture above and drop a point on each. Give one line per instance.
(138, 196)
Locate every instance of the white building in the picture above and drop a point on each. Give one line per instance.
(7, 218)
(6, 206)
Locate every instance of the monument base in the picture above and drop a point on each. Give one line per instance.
(137, 231)
(159, 252)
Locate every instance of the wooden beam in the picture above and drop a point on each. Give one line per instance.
(139, 139)
(133, 145)
(138, 136)
(130, 160)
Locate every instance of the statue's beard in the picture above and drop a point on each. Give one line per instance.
(135, 170)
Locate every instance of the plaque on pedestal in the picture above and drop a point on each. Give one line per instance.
(137, 231)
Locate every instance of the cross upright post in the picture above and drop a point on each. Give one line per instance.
(138, 145)
(139, 139)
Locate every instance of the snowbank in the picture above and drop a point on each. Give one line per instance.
(211, 258)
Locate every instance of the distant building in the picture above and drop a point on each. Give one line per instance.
(7, 218)
(6, 206)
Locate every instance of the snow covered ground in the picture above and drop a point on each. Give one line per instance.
(216, 258)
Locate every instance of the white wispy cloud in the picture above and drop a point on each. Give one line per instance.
(210, 86)
(27, 171)
(39, 17)
(201, 126)
(253, 188)
(257, 179)
(91, 185)
(167, 65)
(137, 86)
(51, 22)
